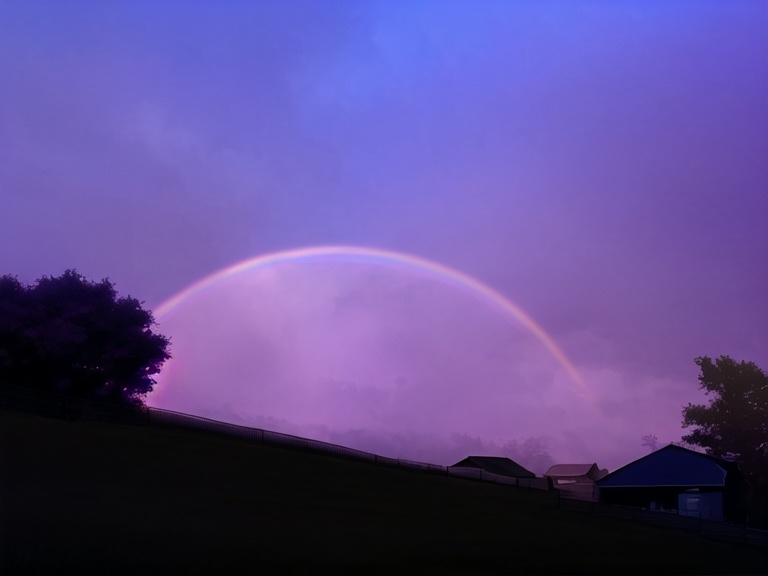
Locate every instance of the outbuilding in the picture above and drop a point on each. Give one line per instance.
(681, 481)
(576, 481)
(495, 465)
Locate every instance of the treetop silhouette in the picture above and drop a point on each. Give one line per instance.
(734, 424)
(78, 337)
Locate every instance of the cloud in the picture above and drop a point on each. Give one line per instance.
(601, 165)
(386, 359)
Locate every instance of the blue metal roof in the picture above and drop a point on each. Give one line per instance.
(669, 466)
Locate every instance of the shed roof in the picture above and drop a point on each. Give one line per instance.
(495, 465)
(670, 466)
(559, 470)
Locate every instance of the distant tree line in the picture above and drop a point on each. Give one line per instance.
(77, 337)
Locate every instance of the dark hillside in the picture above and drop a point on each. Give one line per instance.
(89, 497)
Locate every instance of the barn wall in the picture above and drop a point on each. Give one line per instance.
(704, 505)
(649, 498)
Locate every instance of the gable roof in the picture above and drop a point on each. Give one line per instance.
(570, 470)
(495, 465)
(670, 466)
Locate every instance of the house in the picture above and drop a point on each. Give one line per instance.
(675, 479)
(494, 465)
(576, 481)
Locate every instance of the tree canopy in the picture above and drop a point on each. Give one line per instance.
(735, 422)
(78, 337)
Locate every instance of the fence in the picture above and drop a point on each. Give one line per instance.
(159, 417)
(60, 406)
(711, 529)
(480, 474)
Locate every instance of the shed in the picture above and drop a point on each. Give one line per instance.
(576, 481)
(679, 480)
(495, 465)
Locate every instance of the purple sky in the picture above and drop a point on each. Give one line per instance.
(600, 164)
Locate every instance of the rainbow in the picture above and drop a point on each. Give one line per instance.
(381, 257)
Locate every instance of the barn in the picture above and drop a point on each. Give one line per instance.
(494, 465)
(675, 479)
(575, 481)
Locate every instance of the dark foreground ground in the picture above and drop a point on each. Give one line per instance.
(100, 498)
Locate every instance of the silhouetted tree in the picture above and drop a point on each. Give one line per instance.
(735, 422)
(78, 337)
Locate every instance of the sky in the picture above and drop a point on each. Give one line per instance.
(520, 180)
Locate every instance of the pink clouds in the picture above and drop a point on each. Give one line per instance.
(382, 357)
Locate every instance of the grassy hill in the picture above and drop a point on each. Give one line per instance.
(103, 498)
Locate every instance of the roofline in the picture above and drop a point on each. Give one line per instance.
(715, 460)
(589, 468)
(478, 462)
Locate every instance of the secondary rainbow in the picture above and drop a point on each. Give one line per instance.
(388, 257)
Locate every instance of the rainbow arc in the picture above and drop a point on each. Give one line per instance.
(382, 257)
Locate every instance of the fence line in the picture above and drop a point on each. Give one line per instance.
(480, 474)
(711, 529)
(160, 416)
(58, 405)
